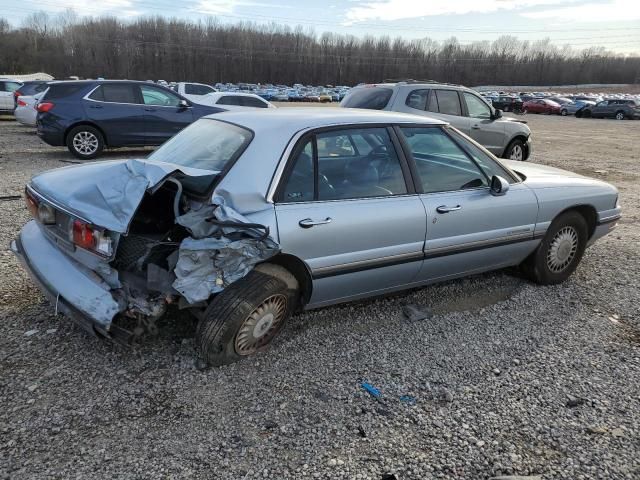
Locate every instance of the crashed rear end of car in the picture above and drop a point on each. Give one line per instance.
(113, 244)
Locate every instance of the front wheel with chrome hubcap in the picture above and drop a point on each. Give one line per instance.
(560, 251)
(246, 316)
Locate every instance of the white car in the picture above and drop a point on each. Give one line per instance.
(196, 92)
(25, 111)
(237, 101)
(7, 101)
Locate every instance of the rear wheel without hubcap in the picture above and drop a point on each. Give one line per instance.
(620, 116)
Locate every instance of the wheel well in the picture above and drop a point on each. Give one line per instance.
(104, 137)
(588, 213)
(299, 270)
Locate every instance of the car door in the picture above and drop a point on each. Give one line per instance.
(468, 229)
(446, 105)
(484, 128)
(115, 108)
(346, 208)
(600, 109)
(163, 114)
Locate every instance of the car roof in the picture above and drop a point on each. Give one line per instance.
(294, 119)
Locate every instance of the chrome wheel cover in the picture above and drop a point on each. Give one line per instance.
(619, 116)
(259, 328)
(517, 153)
(563, 249)
(85, 143)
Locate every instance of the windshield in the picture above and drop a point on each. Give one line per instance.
(206, 144)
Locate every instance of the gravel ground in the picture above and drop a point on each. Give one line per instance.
(507, 378)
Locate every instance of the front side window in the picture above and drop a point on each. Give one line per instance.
(195, 89)
(205, 144)
(351, 163)
(442, 165)
(448, 102)
(476, 107)
(119, 93)
(156, 96)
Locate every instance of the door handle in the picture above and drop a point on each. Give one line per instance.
(95, 106)
(445, 209)
(476, 127)
(308, 223)
(149, 109)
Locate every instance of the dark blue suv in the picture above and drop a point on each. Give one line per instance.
(89, 115)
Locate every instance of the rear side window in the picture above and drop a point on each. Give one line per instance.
(372, 98)
(11, 86)
(333, 162)
(253, 102)
(418, 99)
(448, 102)
(119, 93)
(62, 90)
(193, 89)
(229, 100)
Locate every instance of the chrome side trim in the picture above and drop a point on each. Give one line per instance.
(366, 264)
(610, 219)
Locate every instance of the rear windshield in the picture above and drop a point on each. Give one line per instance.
(61, 90)
(206, 144)
(372, 98)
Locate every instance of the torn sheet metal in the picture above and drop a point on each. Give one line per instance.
(106, 193)
(218, 255)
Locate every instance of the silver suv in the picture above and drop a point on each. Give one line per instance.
(460, 106)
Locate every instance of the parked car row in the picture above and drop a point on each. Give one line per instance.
(618, 106)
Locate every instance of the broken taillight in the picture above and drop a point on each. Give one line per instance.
(86, 236)
(22, 103)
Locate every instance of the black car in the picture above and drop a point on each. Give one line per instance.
(89, 115)
(507, 103)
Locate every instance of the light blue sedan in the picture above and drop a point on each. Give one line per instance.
(247, 217)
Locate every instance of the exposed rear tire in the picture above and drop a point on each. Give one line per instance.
(563, 112)
(620, 115)
(245, 317)
(560, 251)
(85, 142)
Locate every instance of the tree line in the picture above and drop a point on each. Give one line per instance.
(211, 51)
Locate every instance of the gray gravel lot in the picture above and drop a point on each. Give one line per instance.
(507, 378)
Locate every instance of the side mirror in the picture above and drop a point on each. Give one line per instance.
(184, 104)
(497, 114)
(499, 186)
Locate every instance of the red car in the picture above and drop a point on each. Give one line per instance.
(541, 106)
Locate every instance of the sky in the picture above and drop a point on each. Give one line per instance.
(613, 24)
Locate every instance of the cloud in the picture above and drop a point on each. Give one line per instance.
(221, 7)
(403, 9)
(604, 11)
(91, 7)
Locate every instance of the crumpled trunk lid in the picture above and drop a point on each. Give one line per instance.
(106, 193)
